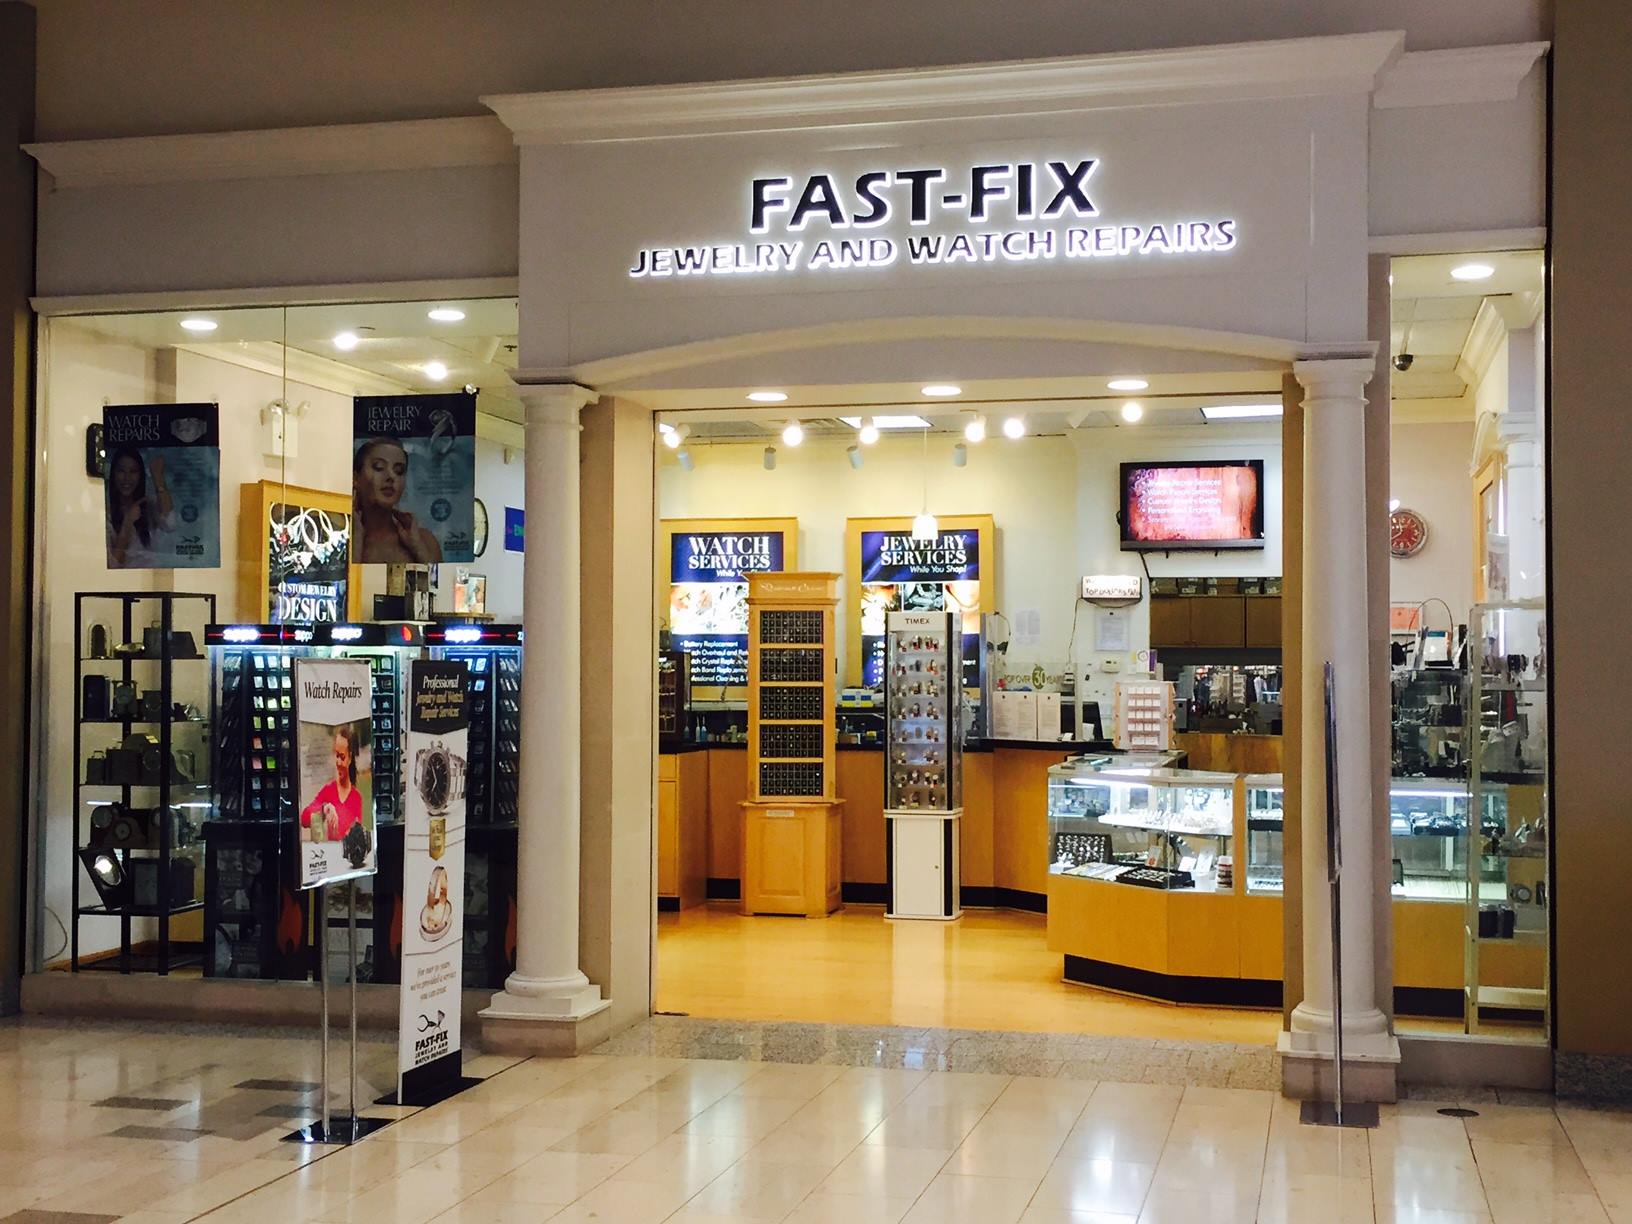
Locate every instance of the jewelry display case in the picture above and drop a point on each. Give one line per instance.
(1266, 802)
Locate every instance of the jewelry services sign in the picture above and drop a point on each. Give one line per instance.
(900, 573)
(1000, 212)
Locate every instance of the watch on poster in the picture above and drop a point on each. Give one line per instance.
(1407, 532)
(439, 776)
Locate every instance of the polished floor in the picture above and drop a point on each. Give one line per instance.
(989, 970)
(165, 1125)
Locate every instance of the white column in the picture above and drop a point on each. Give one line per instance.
(1335, 630)
(547, 983)
(1520, 431)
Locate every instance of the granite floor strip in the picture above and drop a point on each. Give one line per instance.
(155, 1104)
(168, 1134)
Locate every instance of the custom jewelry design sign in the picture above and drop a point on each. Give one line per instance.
(413, 479)
(435, 744)
(162, 486)
(334, 741)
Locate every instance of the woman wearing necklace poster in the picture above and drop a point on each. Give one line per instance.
(135, 513)
(382, 532)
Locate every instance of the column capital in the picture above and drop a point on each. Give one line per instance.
(554, 403)
(1334, 377)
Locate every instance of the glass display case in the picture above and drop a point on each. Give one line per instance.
(923, 708)
(1266, 803)
(1151, 826)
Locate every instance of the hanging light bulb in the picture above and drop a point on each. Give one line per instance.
(793, 434)
(1132, 411)
(674, 435)
(868, 433)
(924, 526)
(974, 428)
(1014, 427)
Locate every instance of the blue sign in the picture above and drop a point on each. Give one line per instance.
(708, 598)
(698, 556)
(894, 556)
(515, 529)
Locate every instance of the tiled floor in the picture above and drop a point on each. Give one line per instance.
(160, 1125)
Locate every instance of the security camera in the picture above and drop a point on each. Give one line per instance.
(1402, 363)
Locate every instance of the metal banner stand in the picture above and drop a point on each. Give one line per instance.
(350, 1128)
(1332, 1113)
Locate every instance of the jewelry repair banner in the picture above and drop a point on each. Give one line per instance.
(435, 744)
(162, 486)
(413, 478)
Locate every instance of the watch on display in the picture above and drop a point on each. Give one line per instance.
(439, 776)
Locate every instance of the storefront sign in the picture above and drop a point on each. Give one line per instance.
(515, 529)
(1003, 212)
(435, 745)
(162, 486)
(334, 739)
(902, 574)
(413, 477)
(708, 598)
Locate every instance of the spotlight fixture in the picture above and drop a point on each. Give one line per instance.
(793, 433)
(1127, 384)
(445, 314)
(974, 427)
(686, 461)
(942, 390)
(196, 324)
(673, 435)
(1014, 427)
(436, 371)
(853, 453)
(767, 397)
(960, 454)
(345, 341)
(769, 459)
(1133, 411)
(1473, 272)
(112, 882)
(868, 434)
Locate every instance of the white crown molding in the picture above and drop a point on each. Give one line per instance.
(1457, 76)
(1463, 242)
(286, 295)
(1484, 340)
(1299, 67)
(1440, 411)
(415, 144)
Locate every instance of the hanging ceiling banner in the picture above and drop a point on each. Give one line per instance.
(413, 477)
(162, 486)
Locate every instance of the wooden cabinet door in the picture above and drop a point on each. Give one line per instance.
(1170, 621)
(668, 837)
(1264, 621)
(1218, 620)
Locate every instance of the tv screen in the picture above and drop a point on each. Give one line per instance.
(1201, 504)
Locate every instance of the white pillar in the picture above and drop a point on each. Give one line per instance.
(1335, 630)
(1520, 431)
(547, 983)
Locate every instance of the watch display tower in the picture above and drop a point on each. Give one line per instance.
(791, 844)
(923, 771)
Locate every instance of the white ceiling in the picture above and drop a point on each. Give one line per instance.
(1433, 314)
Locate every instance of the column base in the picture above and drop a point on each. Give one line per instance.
(558, 1017)
(1371, 1068)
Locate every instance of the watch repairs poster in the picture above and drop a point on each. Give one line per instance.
(903, 574)
(708, 598)
(334, 741)
(433, 880)
(413, 478)
(162, 486)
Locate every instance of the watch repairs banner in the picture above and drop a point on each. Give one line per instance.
(435, 743)
(334, 739)
(162, 486)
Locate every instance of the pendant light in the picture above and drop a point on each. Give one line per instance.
(924, 526)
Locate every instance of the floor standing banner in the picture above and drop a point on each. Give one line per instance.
(433, 880)
(334, 740)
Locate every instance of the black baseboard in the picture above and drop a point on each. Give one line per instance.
(1427, 1001)
(723, 888)
(668, 905)
(864, 894)
(1005, 898)
(1174, 988)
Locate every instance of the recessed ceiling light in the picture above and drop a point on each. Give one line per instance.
(435, 370)
(199, 325)
(1240, 412)
(1132, 411)
(793, 433)
(1473, 272)
(345, 341)
(942, 390)
(1014, 427)
(1127, 384)
(974, 429)
(445, 314)
(767, 397)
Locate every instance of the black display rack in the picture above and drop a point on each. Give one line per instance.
(492, 773)
(143, 708)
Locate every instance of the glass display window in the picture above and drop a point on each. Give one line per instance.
(1266, 817)
(923, 713)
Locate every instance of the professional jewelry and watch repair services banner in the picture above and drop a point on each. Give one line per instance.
(413, 478)
(334, 738)
(433, 880)
(162, 486)
(709, 565)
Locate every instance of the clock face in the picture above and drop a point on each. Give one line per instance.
(481, 528)
(434, 781)
(1407, 533)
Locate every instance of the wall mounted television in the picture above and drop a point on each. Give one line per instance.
(1192, 504)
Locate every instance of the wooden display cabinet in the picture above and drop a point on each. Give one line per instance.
(792, 845)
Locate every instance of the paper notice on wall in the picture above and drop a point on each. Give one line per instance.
(435, 743)
(1110, 630)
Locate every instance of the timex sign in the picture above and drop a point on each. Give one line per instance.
(993, 212)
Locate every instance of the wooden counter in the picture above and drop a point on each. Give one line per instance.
(1238, 754)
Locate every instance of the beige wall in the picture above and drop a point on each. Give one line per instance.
(1591, 593)
(1428, 472)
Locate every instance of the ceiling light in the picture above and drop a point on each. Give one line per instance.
(686, 460)
(886, 422)
(199, 325)
(1241, 412)
(769, 459)
(1132, 411)
(974, 428)
(1127, 384)
(942, 390)
(793, 433)
(445, 314)
(854, 454)
(1393, 504)
(868, 433)
(960, 455)
(1473, 272)
(924, 527)
(1014, 427)
(673, 435)
(435, 370)
(345, 341)
(767, 397)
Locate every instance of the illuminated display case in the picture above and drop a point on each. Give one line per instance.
(1266, 801)
(1154, 827)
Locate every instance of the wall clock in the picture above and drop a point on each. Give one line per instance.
(479, 544)
(1407, 532)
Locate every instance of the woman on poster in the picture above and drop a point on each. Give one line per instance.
(338, 804)
(379, 478)
(134, 517)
